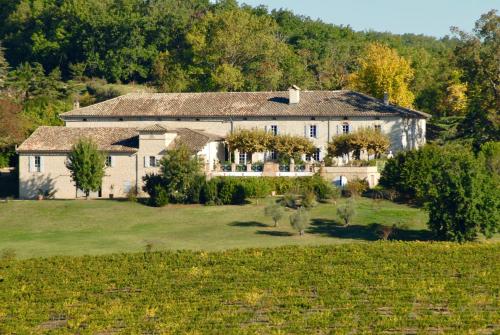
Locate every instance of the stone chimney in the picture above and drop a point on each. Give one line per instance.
(386, 98)
(293, 95)
(76, 104)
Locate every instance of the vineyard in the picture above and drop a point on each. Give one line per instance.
(380, 287)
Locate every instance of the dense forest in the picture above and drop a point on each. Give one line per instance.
(53, 52)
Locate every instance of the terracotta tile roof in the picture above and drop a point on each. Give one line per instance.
(155, 128)
(61, 139)
(195, 140)
(230, 104)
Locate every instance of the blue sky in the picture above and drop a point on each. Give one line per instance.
(429, 17)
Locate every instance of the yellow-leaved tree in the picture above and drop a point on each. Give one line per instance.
(382, 70)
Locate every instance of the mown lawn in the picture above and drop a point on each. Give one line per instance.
(45, 228)
(357, 288)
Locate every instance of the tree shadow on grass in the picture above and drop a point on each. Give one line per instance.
(274, 233)
(247, 224)
(370, 232)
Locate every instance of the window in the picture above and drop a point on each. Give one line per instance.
(273, 155)
(108, 161)
(316, 154)
(274, 130)
(38, 164)
(313, 131)
(243, 157)
(152, 161)
(345, 128)
(378, 128)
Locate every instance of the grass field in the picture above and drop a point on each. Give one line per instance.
(45, 228)
(361, 288)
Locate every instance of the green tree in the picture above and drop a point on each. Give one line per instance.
(478, 56)
(180, 169)
(347, 212)
(12, 131)
(466, 202)
(382, 70)
(4, 68)
(237, 50)
(300, 220)
(86, 165)
(275, 212)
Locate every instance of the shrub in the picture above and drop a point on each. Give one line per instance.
(161, 197)
(226, 189)
(346, 212)
(357, 187)
(132, 194)
(275, 212)
(291, 200)
(309, 200)
(209, 193)
(195, 193)
(300, 220)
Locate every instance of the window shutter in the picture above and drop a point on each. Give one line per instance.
(277, 130)
(337, 129)
(42, 165)
(112, 159)
(31, 163)
(158, 159)
(305, 131)
(146, 161)
(317, 132)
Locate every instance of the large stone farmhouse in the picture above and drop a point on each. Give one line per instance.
(135, 130)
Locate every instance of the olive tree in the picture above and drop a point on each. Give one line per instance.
(300, 220)
(275, 212)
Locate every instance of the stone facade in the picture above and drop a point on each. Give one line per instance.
(202, 120)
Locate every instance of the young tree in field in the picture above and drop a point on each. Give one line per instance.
(382, 70)
(275, 212)
(300, 220)
(86, 165)
(346, 212)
